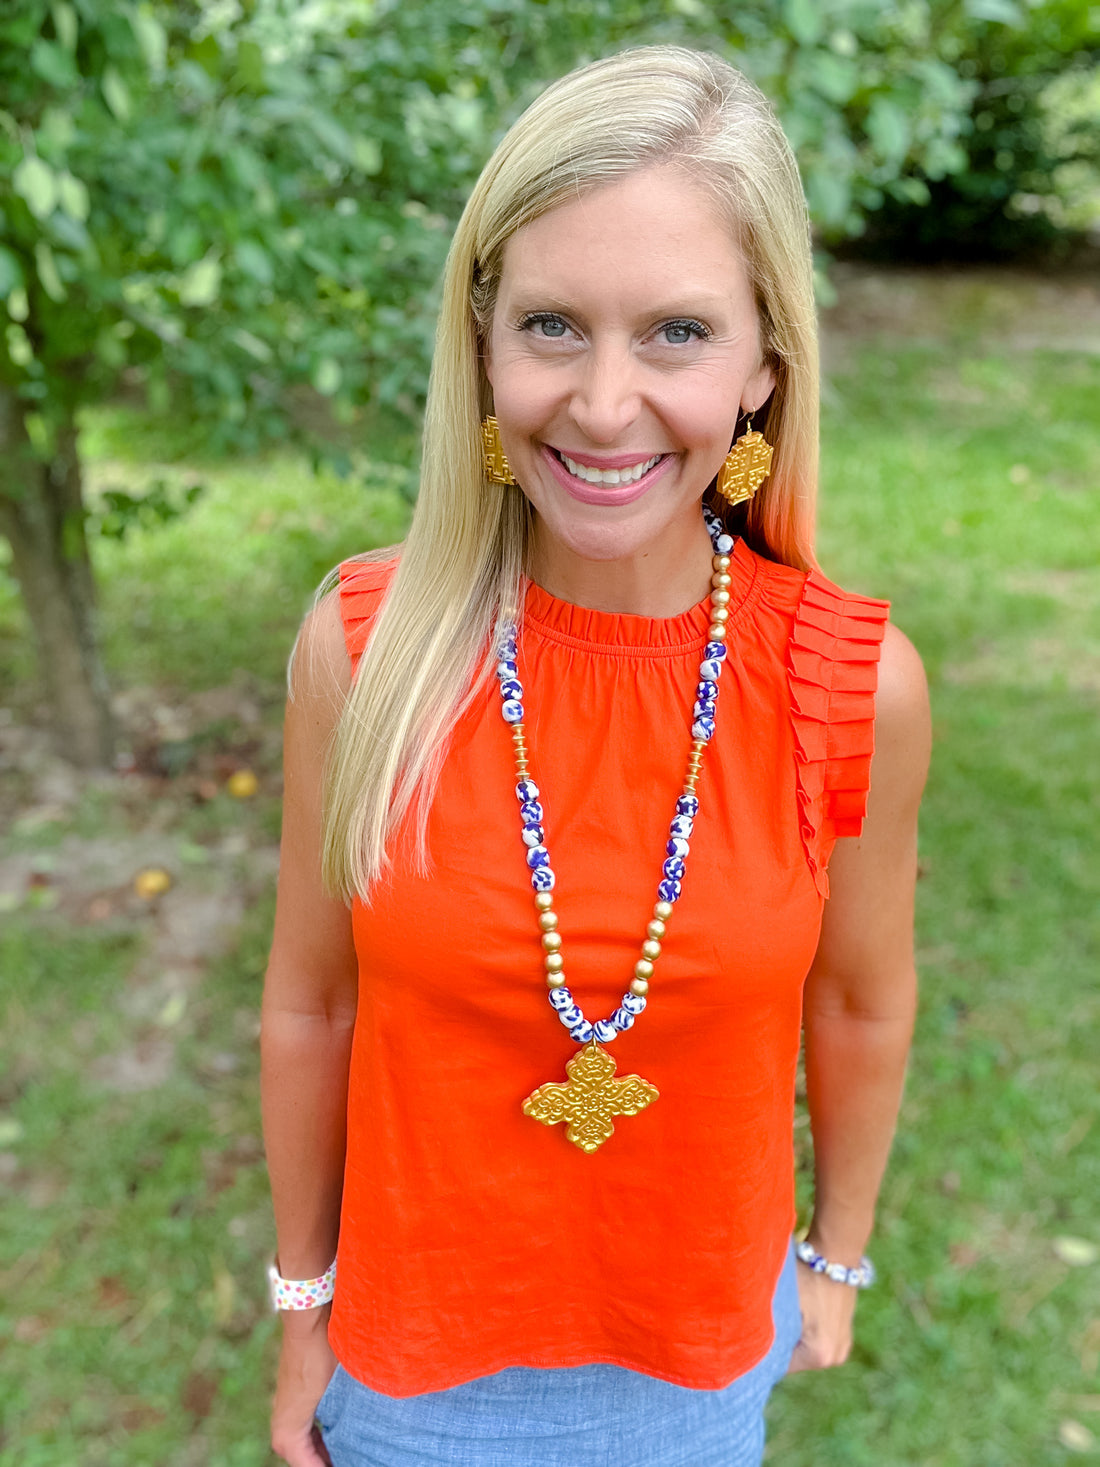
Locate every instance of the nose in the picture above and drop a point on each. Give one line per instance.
(606, 397)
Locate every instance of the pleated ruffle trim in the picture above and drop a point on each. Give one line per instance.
(833, 673)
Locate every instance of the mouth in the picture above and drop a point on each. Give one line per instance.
(589, 474)
(611, 486)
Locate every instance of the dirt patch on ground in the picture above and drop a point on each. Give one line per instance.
(1021, 310)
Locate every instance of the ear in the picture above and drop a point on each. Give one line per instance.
(485, 352)
(757, 389)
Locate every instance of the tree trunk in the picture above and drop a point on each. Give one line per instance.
(42, 518)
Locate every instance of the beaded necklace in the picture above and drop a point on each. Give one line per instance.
(593, 1096)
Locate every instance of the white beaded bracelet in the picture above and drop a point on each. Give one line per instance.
(861, 1277)
(301, 1293)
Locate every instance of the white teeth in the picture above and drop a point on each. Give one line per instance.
(609, 476)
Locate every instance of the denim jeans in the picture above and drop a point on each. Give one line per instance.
(579, 1416)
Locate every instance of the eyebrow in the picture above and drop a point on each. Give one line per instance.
(688, 302)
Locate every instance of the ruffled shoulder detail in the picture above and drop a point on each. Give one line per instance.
(363, 586)
(833, 673)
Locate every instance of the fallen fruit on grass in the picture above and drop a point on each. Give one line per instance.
(154, 881)
(242, 785)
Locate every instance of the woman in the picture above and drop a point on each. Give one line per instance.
(629, 293)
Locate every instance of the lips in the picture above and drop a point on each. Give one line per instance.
(639, 475)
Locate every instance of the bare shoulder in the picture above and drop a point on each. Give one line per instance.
(903, 720)
(320, 668)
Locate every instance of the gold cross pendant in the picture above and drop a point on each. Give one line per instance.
(590, 1099)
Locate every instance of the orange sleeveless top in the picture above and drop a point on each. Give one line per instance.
(473, 1238)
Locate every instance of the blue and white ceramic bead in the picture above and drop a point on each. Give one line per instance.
(680, 828)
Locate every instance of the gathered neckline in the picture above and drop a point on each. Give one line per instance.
(623, 633)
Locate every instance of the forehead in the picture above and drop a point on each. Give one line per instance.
(650, 231)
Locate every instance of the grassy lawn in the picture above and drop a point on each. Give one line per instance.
(960, 481)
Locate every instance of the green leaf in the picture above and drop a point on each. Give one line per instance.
(254, 260)
(11, 273)
(19, 307)
(327, 377)
(53, 64)
(73, 195)
(888, 129)
(1003, 12)
(835, 77)
(199, 285)
(65, 23)
(115, 93)
(151, 37)
(804, 20)
(250, 66)
(367, 155)
(48, 277)
(36, 183)
(19, 347)
(253, 345)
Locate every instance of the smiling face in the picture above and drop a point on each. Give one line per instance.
(624, 342)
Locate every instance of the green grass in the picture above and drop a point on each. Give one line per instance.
(960, 481)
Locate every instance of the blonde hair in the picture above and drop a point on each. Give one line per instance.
(461, 567)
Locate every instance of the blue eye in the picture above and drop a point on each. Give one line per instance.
(680, 333)
(544, 324)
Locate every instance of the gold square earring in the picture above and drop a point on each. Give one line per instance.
(746, 466)
(493, 455)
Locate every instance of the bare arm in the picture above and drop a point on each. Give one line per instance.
(860, 1002)
(305, 1038)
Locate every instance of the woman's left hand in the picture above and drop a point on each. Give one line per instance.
(827, 1312)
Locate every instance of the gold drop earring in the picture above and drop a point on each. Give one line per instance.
(746, 465)
(493, 455)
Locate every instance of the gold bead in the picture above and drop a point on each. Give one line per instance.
(721, 562)
(719, 613)
(555, 980)
(716, 631)
(551, 941)
(719, 597)
(639, 986)
(651, 949)
(721, 579)
(554, 962)
(643, 969)
(544, 901)
(663, 911)
(656, 928)
(548, 920)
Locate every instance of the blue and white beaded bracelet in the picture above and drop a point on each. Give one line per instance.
(861, 1277)
(680, 829)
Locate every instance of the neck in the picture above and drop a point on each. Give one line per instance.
(657, 581)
